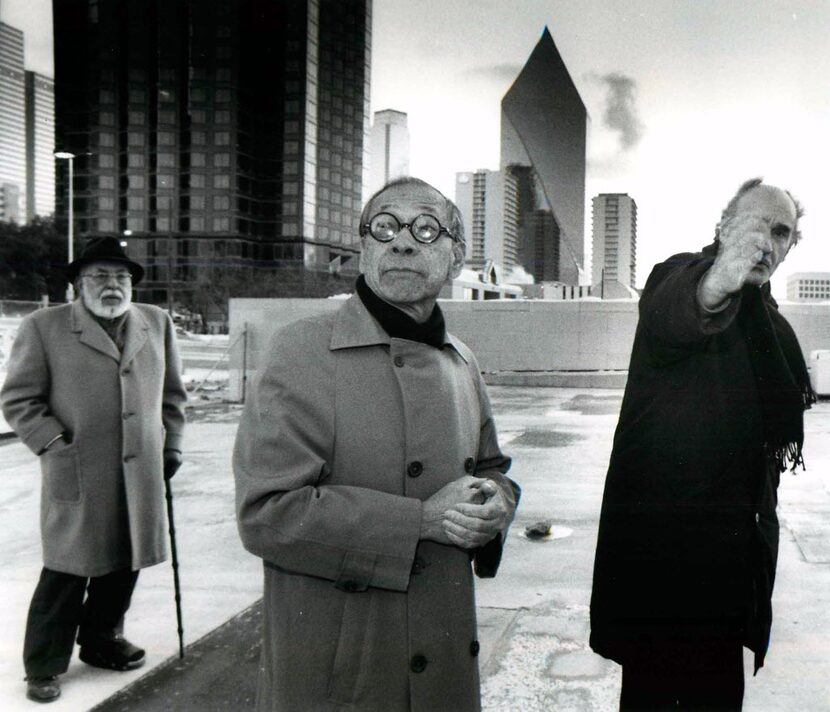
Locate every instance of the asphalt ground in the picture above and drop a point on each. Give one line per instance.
(533, 617)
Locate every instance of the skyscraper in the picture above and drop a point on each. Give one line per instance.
(543, 143)
(488, 201)
(12, 126)
(233, 130)
(614, 221)
(40, 145)
(389, 149)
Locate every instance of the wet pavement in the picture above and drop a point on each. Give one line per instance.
(533, 617)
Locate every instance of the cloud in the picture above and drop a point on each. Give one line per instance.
(504, 72)
(619, 110)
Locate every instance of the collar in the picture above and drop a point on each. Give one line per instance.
(354, 327)
(93, 334)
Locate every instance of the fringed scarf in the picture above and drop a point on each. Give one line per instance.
(780, 374)
(399, 325)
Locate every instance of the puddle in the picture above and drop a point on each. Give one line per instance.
(594, 405)
(546, 438)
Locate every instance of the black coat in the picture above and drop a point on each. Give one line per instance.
(688, 535)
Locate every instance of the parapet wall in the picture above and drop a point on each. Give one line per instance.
(509, 335)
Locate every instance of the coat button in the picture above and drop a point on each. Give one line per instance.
(757, 517)
(418, 663)
(398, 361)
(126, 415)
(469, 465)
(418, 565)
(414, 469)
(349, 586)
(127, 458)
(126, 372)
(474, 648)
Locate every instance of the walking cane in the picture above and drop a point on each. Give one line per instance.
(168, 494)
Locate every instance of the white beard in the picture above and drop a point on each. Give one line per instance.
(106, 311)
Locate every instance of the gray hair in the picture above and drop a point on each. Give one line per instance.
(732, 207)
(456, 226)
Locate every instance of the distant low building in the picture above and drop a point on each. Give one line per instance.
(808, 287)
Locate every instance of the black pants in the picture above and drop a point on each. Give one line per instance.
(58, 611)
(700, 677)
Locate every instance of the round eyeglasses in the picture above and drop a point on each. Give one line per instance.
(425, 228)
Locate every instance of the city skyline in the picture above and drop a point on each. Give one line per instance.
(686, 98)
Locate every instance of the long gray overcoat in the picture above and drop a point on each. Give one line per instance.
(102, 498)
(347, 432)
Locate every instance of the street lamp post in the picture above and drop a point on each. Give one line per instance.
(65, 155)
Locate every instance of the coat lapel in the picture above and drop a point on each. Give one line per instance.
(91, 332)
(136, 335)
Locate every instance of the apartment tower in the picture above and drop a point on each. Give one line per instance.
(614, 227)
(215, 135)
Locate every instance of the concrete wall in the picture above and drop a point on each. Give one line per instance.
(509, 335)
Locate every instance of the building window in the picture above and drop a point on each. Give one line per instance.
(197, 180)
(198, 138)
(222, 160)
(135, 139)
(222, 117)
(166, 160)
(198, 94)
(135, 160)
(135, 202)
(106, 182)
(221, 181)
(107, 140)
(198, 116)
(221, 202)
(197, 159)
(166, 181)
(222, 96)
(166, 138)
(221, 224)
(222, 138)
(135, 182)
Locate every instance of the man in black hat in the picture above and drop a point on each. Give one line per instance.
(94, 389)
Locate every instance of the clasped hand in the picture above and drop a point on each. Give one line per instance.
(467, 513)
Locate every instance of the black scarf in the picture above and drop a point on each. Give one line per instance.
(399, 325)
(780, 373)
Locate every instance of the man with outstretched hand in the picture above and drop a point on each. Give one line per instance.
(712, 415)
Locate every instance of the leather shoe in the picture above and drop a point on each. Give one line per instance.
(112, 654)
(43, 689)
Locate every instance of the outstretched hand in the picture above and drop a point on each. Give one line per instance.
(745, 243)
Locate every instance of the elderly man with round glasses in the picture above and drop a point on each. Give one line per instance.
(93, 388)
(370, 481)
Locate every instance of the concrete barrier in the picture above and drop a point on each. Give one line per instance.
(523, 337)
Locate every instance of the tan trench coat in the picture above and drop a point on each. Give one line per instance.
(347, 432)
(102, 498)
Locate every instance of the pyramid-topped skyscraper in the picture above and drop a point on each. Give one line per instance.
(544, 127)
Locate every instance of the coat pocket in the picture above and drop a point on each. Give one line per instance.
(357, 629)
(62, 474)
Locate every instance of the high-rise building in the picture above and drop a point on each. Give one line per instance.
(614, 228)
(232, 130)
(808, 287)
(12, 126)
(543, 143)
(389, 149)
(40, 145)
(488, 201)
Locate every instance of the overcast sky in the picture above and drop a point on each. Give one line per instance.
(687, 98)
